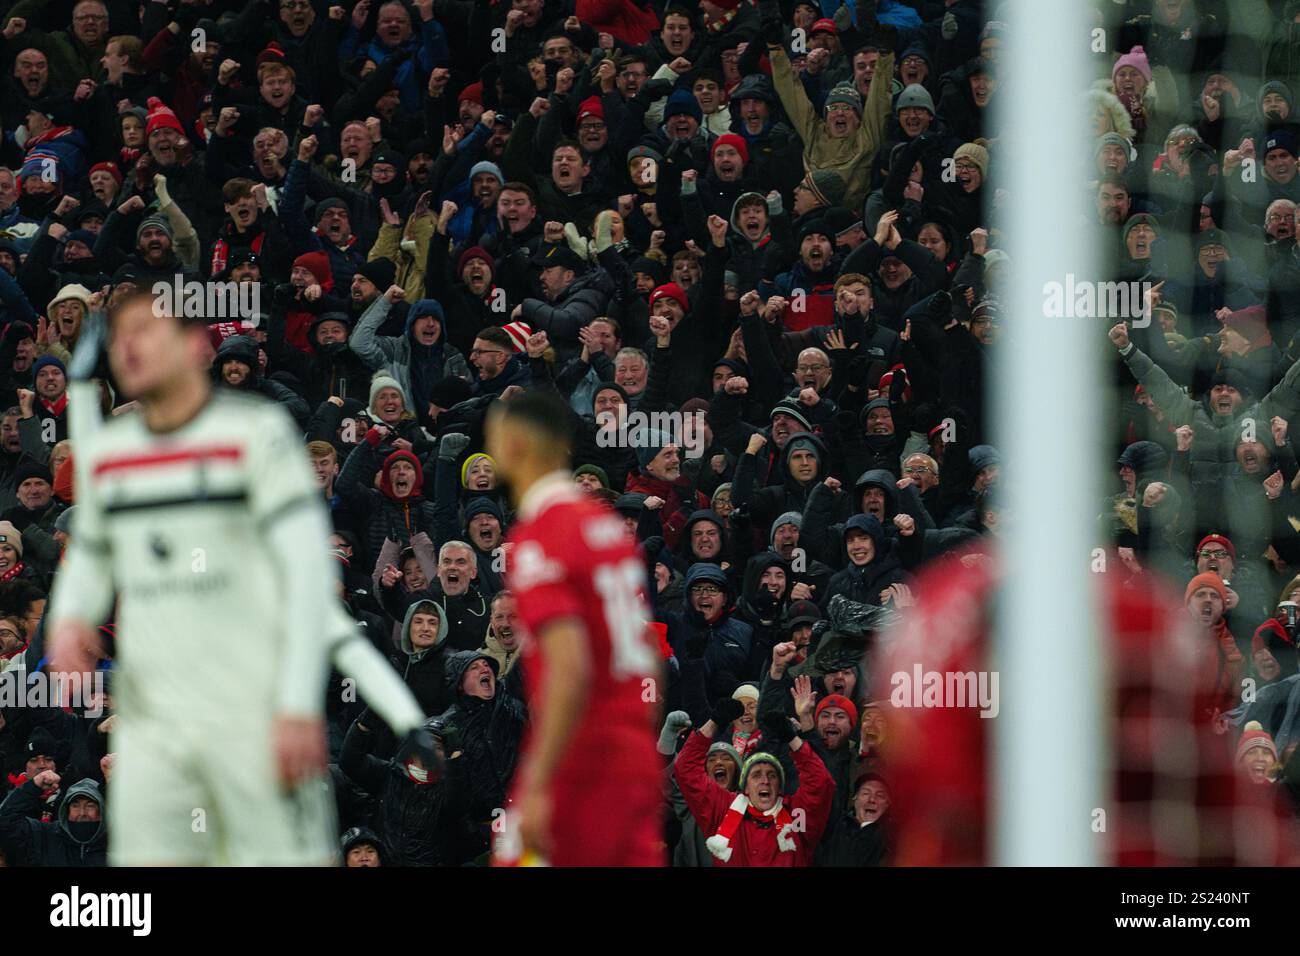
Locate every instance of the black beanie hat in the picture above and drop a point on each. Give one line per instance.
(449, 391)
(382, 272)
(30, 468)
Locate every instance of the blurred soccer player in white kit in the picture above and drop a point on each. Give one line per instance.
(199, 513)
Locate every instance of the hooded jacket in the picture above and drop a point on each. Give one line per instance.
(419, 823)
(244, 348)
(1213, 462)
(383, 514)
(864, 584)
(765, 504)
(425, 671)
(326, 370)
(728, 641)
(28, 841)
(489, 731)
(397, 354)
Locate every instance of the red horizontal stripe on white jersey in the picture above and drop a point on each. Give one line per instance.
(232, 453)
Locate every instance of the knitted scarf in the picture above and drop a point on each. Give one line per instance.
(720, 843)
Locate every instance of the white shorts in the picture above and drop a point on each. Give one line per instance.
(179, 798)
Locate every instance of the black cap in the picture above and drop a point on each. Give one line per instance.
(558, 254)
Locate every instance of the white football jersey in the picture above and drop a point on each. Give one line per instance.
(218, 615)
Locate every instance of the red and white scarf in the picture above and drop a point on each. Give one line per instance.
(12, 573)
(720, 843)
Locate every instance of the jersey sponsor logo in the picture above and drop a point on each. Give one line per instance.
(532, 568)
(601, 534)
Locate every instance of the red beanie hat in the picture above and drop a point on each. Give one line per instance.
(673, 291)
(160, 115)
(1255, 736)
(733, 140)
(110, 168)
(473, 93)
(318, 264)
(1218, 539)
(824, 25)
(1207, 580)
(475, 252)
(840, 701)
(591, 106)
(274, 53)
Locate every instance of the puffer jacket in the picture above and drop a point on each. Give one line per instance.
(27, 841)
(489, 733)
(588, 296)
(419, 822)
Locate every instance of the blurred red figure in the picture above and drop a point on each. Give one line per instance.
(1163, 744)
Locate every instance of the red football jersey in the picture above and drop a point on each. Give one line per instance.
(573, 557)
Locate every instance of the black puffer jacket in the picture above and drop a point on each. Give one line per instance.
(419, 822)
(27, 841)
(488, 731)
(586, 297)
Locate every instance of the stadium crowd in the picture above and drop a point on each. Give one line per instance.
(768, 223)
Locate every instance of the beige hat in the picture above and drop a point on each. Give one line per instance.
(11, 535)
(745, 692)
(73, 290)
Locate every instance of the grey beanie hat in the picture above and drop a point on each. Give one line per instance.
(150, 222)
(914, 96)
(790, 517)
(1113, 139)
(720, 747)
(846, 95)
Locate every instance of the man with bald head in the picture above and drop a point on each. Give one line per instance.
(75, 54)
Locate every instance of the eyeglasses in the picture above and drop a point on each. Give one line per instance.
(705, 589)
(295, 5)
(917, 470)
(591, 126)
(90, 18)
(963, 164)
(7, 634)
(1218, 555)
(810, 368)
(474, 352)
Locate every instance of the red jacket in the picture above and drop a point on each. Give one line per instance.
(678, 502)
(755, 843)
(622, 19)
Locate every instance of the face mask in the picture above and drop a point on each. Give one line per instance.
(83, 831)
(417, 774)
